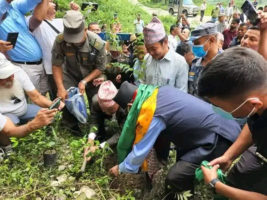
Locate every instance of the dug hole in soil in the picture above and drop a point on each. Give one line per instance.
(133, 182)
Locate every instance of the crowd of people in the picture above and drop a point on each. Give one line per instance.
(201, 90)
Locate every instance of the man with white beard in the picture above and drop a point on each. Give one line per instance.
(13, 105)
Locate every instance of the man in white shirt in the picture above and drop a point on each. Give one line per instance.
(172, 38)
(163, 65)
(14, 83)
(45, 28)
(139, 24)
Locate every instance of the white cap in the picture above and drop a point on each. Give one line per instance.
(6, 67)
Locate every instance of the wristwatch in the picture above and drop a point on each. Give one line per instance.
(213, 182)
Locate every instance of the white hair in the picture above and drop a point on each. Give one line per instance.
(7, 93)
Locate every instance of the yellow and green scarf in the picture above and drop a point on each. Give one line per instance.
(138, 120)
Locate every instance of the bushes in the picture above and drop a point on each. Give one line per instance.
(104, 15)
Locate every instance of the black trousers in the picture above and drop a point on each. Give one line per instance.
(181, 175)
(52, 87)
(249, 173)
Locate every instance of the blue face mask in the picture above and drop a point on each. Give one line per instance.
(199, 51)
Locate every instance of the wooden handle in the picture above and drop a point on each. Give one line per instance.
(84, 165)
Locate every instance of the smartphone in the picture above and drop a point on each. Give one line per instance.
(55, 104)
(12, 38)
(251, 13)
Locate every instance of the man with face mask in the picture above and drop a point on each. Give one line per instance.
(236, 81)
(84, 55)
(205, 48)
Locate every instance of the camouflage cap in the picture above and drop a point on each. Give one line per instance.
(73, 26)
(203, 30)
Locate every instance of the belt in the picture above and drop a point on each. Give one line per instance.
(29, 63)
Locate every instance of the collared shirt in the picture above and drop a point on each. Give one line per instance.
(139, 26)
(27, 48)
(228, 37)
(171, 70)
(79, 62)
(173, 42)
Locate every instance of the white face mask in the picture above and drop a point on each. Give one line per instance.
(242, 104)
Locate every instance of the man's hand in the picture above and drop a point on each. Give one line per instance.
(263, 20)
(88, 150)
(81, 87)
(43, 118)
(210, 174)
(5, 46)
(98, 81)
(74, 6)
(114, 170)
(62, 93)
(223, 161)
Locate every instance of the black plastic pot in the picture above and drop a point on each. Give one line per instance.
(50, 157)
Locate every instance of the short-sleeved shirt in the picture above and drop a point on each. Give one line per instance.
(27, 48)
(46, 36)
(79, 62)
(17, 104)
(2, 121)
(171, 70)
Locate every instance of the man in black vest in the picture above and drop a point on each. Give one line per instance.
(237, 82)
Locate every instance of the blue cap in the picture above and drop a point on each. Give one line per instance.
(203, 30)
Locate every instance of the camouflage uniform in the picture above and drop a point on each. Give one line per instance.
(79, 62)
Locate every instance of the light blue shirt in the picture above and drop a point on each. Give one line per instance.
(27, 48)
(171, 70)
(140, 151)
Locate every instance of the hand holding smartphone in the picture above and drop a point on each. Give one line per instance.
(250, 12)
(12, 38)
(55, 104)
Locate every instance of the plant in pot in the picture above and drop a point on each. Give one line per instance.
(50, 153)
